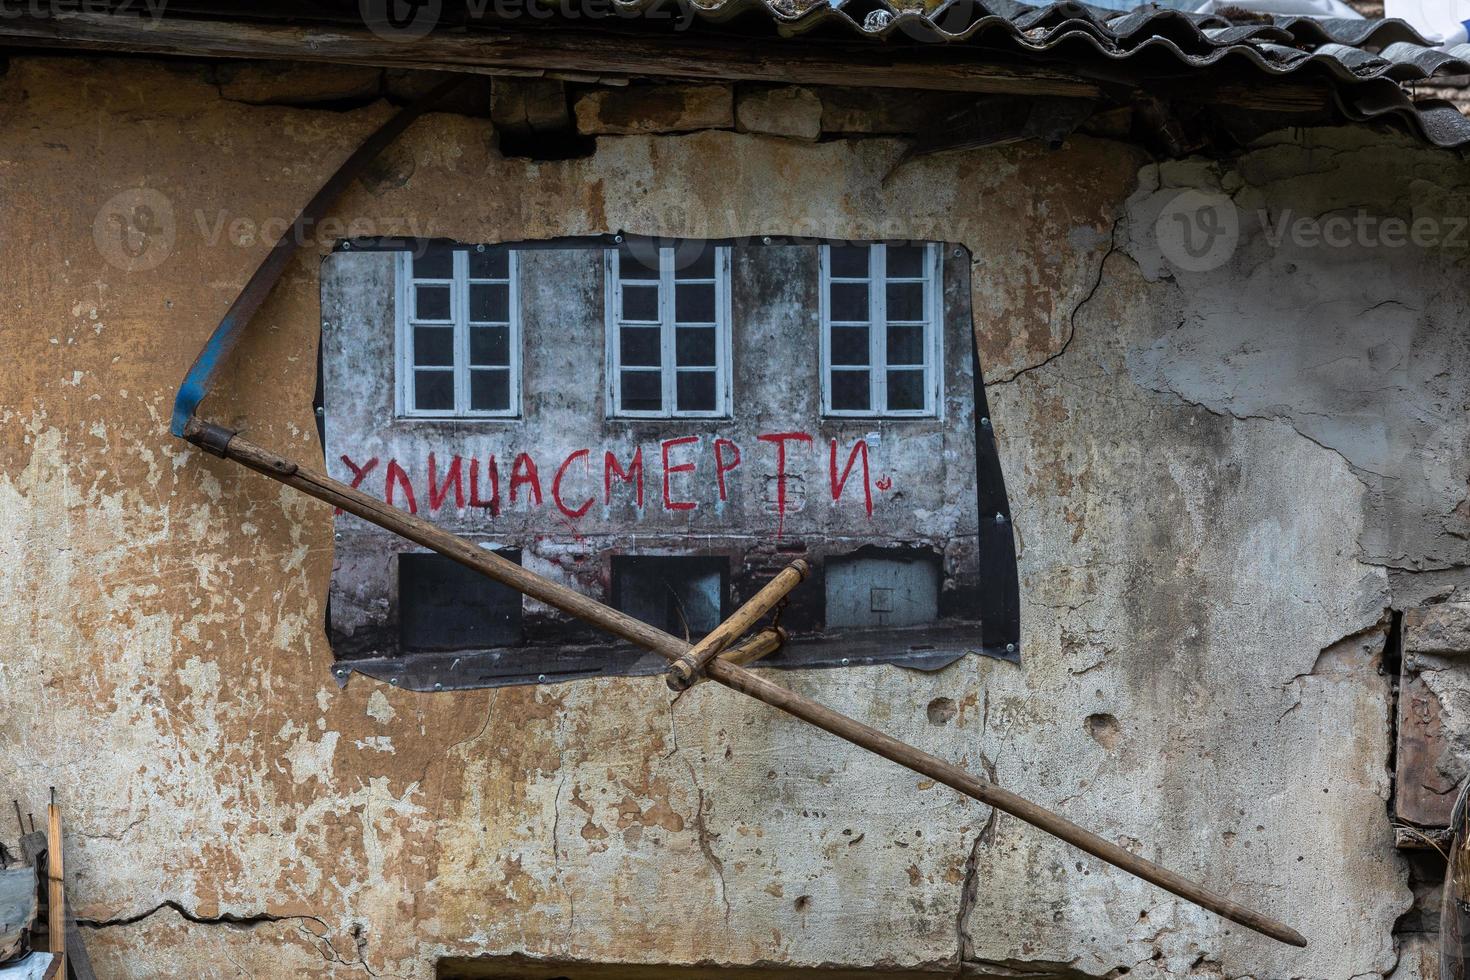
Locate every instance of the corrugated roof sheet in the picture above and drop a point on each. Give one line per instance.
(1368, 61)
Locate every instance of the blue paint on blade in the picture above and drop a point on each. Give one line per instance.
(197, 382)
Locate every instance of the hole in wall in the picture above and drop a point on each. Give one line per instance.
(941, 711)
(566, 145)
(1104, 729)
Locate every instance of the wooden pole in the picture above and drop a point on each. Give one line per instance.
(759, 646)
(55, 892)
(226, 444)
(686, 670)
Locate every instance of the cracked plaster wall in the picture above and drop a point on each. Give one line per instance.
(1206, 567)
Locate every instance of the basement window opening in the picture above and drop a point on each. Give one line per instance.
(685, 596)
(445, 606)
(886, 587)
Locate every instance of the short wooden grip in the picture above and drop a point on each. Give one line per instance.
(757, 646)
(683, 672)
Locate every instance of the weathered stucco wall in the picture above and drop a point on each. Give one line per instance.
(1207, 536)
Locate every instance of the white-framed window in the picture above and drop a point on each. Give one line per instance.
(668, 330)
(882, 321)
(459, 333)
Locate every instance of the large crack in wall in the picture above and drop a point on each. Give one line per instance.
(1351, 343)
(1255, 471)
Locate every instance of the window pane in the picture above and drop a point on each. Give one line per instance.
(696, 391)
(850, 391)
(431, 303)
(493, 263)
(640, 262)
(490, 303)
(850, 301)
(905, 261)
(905, 301)
(435, 263)
(639, 347)
(850, 345)
(642, 391)
(490, 345)
(905, 345)
(694, 303)
(433, 346)
(433, 391)
(490, 390)
(848, 261)
(694, 260)
(905, 391)
(694, 347)
(640, 303)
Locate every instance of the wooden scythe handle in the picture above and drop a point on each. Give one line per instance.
(222, 442)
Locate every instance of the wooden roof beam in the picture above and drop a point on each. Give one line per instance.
(555, 51)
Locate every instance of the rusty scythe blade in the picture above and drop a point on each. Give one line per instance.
(225, 443)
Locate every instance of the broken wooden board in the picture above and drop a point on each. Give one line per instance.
(1424, 795)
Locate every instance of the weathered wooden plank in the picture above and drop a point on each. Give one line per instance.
(612, 58)
(55, 895)
(685, 56)
(1423, 838)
